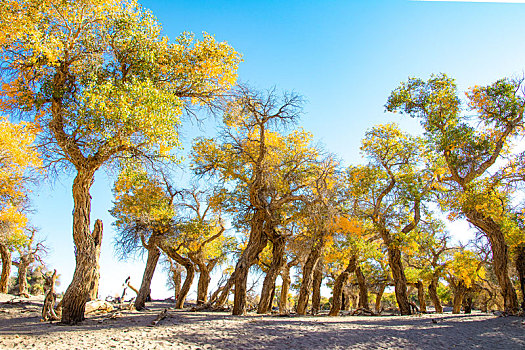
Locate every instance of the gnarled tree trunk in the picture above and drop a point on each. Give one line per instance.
(499, 254)
(5, 254)
(467, 302)
(421, 297)
(23, 266)
(308, 270)
(188, 266)
(398, 275)
(225, 292)
(285, 288)
(338, 287)
(185, 289)
(363, 290)
(459, 290)
(48, 309)
(97, 235)
(176, 277)
(269, 280)
(255, 246)
(204, 281)
(145, 286)
(76, 296)
(379, 295)
(432, 291)
(316, 288)
(520, 268)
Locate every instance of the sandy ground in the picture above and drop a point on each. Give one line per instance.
(21, 328)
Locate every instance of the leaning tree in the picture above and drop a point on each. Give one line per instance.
(103, 84)
(468, 147)
(391, 192)
(265, 171)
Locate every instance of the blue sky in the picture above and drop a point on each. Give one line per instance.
(343, 56)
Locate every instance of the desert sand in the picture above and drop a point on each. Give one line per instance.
(21, 328)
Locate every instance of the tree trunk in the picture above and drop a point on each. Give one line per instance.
(203, 284)
(188, 265)
(308, 270)
(379, 295)
(467, 302)
(145, 286)
(500, 256)
(398, 275)
(520, 268)
(97, 235)
(177, 283)
(48, 309)
(272, 297)
(345, 299)
(363, 290)
(269, 280)
(23, 266)
(255, 246)
(283, 302)
(338, 287)
(459, 292)
(225, 292)
(185, 289)
(76, 296)
(421, 297)
(432, 291)
(5, 254)
(316, 288)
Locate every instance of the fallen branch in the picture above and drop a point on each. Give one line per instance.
(209, 307)
(363, 312)
(160, 317)
(112, 316)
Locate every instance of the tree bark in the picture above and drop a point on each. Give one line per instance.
(48, 309)
(145, 286)
(225, 292)
(269, 280)
(272, 297)
(285, 288)
(316, 288)
(23, 266)
(421, 297)
(177, 280)
(308, 270)
(256, 243)
(499, 254)
(459, 292)
(5, 254)
(188, 266)
(76, 296)
(97, 235)
(467, 302)
(203, 284)
(363, 290)
(379, 295)
(398, 275)
(520, 268)
(345, 299)
(185, 289)
(432, 291)
(338, 287)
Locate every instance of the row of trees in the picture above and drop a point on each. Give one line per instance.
(103, 88)
(293, 205)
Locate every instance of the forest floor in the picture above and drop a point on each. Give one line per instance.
(21, 328)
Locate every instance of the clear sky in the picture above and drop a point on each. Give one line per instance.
(343, 56)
